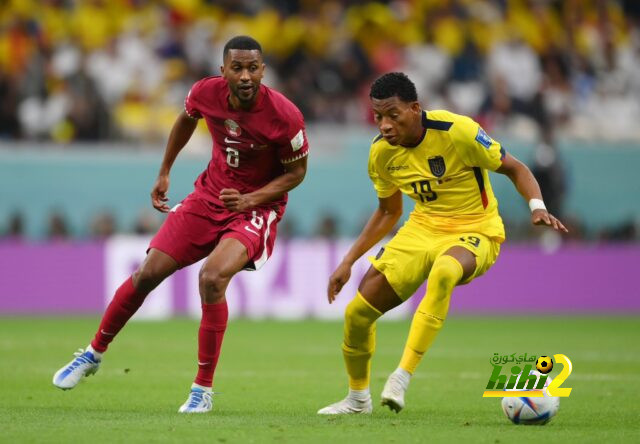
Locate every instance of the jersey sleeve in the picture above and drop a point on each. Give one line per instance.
(383, 187)
(191, 102)
(295, 145)
(474, 145)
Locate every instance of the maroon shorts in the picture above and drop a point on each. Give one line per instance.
(195, 226)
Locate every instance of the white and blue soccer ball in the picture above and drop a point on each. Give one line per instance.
(530, 410)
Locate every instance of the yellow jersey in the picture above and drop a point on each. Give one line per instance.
(445, 174)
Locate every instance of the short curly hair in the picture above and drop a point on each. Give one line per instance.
(394, 84)
(241, 42)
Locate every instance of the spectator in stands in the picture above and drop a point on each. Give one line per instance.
(146, 223)
(549, 171)
(15, 227)
(327, 227)
(57, 227)
(103, 225)
(70, 67)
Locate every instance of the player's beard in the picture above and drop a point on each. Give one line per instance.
(244, 97)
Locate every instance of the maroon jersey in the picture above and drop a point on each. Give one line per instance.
(249, 147)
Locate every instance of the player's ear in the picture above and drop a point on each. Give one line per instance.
(416, 108)
(224, 62)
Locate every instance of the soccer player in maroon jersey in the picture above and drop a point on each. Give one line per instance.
(259, 154)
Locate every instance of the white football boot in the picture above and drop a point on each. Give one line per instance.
(358, 404)
(199, 401)
(394, 389)
(85, 363)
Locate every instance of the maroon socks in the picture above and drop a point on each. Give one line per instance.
(124, 304)
(212, 328)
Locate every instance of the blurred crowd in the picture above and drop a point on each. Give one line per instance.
(81, 70)
(102, 225)
(119, 70)
(105, 224)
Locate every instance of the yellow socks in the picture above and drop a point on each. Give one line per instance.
(359, 341)
(360, 329)
(432, 311)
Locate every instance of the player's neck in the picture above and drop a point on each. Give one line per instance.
(416, 138)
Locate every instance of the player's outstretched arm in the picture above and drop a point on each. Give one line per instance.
(528, 187)
(181, 132)
(293, 176)
(380, 223)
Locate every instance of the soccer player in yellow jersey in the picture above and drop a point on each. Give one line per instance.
(441, 160)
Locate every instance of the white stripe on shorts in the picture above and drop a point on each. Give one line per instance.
(265, 253)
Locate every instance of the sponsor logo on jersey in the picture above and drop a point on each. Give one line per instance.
(246, 227)
(297, 141)
(437, 166)
(227, 140)
(483, 138)
(232, 128)
(393, 168)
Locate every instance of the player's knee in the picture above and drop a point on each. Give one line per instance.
(445, 273)
(359, 331)
(154, 269)
(359, 315)
(353, 318)
(213, 285)
(146, 278)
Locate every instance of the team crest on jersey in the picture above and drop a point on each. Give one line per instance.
(437, 166)
(232, 128)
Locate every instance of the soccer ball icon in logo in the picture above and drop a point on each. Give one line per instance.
(544, 364)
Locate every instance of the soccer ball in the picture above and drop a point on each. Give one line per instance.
(528, 410)
(544, 364)
(531, 410)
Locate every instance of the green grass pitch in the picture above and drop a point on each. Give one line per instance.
(274, 376)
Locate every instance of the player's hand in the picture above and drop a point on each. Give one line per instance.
(159, 197)
(235, 201)
(337, 280)
(542, 217)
